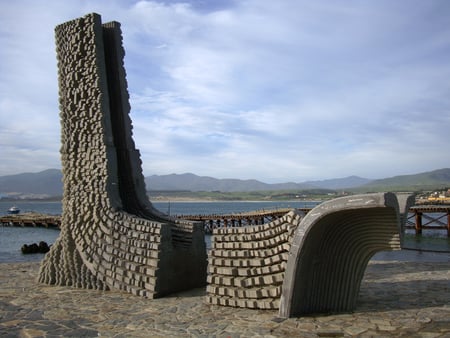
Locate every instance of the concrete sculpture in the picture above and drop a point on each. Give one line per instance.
(303, 265)
(111, 236)
(331, 249)
(246, 265)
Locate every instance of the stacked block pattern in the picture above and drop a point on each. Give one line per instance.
(303, 265)
(111, 236)
(247, 264)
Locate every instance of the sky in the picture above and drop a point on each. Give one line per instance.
(278, 91)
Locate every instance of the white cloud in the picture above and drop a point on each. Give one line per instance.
(277, 91)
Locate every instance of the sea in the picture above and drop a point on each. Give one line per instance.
(432, 245)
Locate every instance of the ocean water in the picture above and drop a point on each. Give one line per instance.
(51, 208)
(172, 208)
(13, 238)
(209, 208)
(433, 245)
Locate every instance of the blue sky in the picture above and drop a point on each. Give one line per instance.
(272, 90)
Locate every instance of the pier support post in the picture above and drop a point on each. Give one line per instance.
(418, 216)
(448, 223)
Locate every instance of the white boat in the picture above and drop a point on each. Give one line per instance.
(13, 210)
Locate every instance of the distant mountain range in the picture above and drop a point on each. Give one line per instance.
(49, 183)
(42, 184)
(193, 182)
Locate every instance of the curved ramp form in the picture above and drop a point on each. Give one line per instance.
(247, 264)
(331, 249)
(111, 236)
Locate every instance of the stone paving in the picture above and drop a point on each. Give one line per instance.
(410, 299)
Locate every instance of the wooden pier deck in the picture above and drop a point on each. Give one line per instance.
(433, 214)
(420, 217)
(31, 219)
(238, 219)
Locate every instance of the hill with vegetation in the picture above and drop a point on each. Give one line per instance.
(191, 182)
(48, 183)
(427, 181)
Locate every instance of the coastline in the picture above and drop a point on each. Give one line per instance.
(396, 299)
(213, 200)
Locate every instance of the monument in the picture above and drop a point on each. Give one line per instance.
(111, 235)
(304, 264)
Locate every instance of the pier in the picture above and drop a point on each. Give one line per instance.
(256, 217)
(31, 219)
(420, 217)
(431, 214)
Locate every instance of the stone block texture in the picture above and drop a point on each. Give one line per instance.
(246, 265)
(303, 265)
(111, 235)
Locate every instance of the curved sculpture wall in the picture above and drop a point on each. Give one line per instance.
(247, 264)
(331, 249)
(303, 265)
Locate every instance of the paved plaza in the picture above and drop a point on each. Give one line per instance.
(408, 298)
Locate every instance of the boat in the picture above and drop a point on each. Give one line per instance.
(13, 210)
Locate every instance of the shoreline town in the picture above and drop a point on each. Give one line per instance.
(397, 298)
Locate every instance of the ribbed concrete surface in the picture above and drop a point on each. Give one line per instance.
(304, 265)
(331, 249)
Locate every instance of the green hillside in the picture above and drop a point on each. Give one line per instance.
(432, 180)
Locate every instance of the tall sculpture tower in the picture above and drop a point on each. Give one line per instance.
(111, 236)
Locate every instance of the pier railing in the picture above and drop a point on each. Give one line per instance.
(255, 217)
(432, 214)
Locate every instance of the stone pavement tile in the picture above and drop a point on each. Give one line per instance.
(29, 309)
